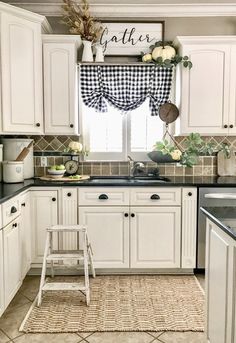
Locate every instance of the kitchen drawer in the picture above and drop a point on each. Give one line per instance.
(10, 210)
(156, 196)
(103, 196)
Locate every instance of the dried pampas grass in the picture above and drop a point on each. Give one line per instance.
(80, 21)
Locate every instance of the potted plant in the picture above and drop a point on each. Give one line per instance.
(194, 146)
(82, 23)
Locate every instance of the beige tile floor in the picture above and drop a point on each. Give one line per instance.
(12, 318)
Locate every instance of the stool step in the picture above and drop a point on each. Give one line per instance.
(66, 255)
(67, 228)
(64, 286)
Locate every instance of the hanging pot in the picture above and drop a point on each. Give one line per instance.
(168, 112)
(159, 157)
(87, 55)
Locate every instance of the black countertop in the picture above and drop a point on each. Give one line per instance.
(224, 217)
(7, 191)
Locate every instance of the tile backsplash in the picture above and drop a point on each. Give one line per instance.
(207, 165)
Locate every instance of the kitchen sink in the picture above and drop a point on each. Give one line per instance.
(127, 179)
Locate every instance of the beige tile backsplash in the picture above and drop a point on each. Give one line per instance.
(206, 165)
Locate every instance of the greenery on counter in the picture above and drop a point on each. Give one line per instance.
(194, 146)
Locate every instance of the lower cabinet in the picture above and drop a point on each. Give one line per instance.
(25, 234)
(2, 307)
(155, 237)
(12, 262)
(108, 230)
(44, 213)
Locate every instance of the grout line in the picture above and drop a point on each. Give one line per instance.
(6, 334)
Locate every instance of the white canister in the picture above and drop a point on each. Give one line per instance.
(13, 171)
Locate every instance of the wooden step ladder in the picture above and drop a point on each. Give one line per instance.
(50, 255)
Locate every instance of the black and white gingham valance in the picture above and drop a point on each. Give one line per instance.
(125, 87)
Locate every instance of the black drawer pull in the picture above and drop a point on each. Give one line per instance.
(155, 197)
(225, 126)
(13, 209)
(69, 194)
(231, 126)
(103, 197)
(14, 225)
(126, 214)
(71, 125)
(38, 124)
(23, 204)
(190, 194)
(54, 199)
(132, 215)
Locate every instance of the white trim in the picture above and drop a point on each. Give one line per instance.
(146, 10)
(23, 13)
(188, 40)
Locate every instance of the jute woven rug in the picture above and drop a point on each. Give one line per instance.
(122, 303)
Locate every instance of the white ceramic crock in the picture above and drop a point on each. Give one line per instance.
(13, 171)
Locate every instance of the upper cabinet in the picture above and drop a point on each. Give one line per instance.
(60, 84)
(208, 90)
(21, 70)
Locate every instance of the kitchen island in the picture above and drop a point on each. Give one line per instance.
(220, 274)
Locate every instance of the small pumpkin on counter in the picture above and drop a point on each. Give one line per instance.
(165, 52)
(147, 58)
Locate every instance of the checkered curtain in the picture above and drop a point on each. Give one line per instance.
(125, 87)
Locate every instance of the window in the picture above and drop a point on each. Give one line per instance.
(114, 136)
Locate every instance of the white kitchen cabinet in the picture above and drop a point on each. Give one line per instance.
(60, 83)
(44, 213)
(108, 230)
(155, 237)
(25, 234)
(69, 216)
(207, 91)
(2, 295)
(21, 70)
(189, 227)
(220, 285)
(12, 259)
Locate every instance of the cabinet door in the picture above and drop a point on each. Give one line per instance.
(108, 230)
(232, 90)
(69, 217)
(2, 306)
(155, 237)
(60, 88)
(217, 271)
(205, 90)
(21, 72)
(44, 214)
(12, 259)
(25, 234)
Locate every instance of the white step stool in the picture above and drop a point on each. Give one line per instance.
(50, 255)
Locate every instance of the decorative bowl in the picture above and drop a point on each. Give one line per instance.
(159, 157)
(56, 173)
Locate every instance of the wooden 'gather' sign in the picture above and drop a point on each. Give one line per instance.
(130, 38)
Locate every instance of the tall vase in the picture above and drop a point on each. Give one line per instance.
(87, 55)
(99, 53)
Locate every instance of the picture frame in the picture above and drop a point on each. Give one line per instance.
(130, 38)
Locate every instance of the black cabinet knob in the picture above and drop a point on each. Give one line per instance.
(155, 197)
(126, 214)
(103, 197)
(13, 209)
(54, 199)
(132, 215)
(231, 126)
(71, 125)
(38, 124)
(69, 194)
(14, 225)
(190, 194)
(23, 204)
(225, 126)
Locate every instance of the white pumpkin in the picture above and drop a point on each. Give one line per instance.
(147, 58)
(166, 52)
(75, 146)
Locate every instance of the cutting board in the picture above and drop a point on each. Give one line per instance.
(64, 178)
(226, 166)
